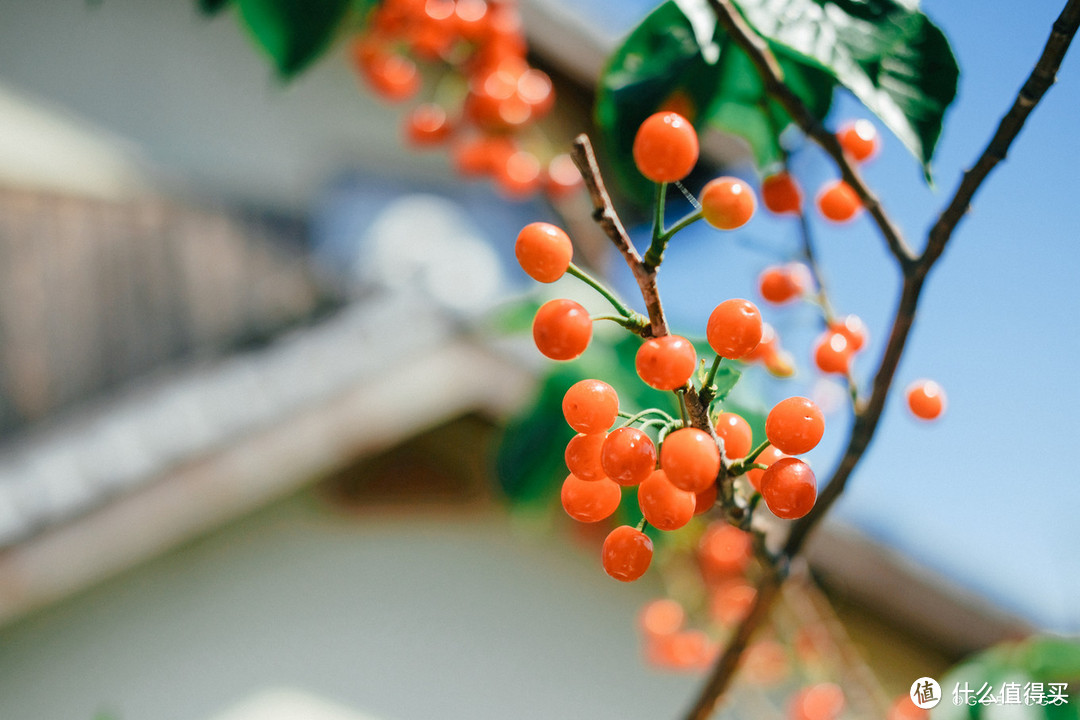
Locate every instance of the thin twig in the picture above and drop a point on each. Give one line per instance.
(915, 271)
(773, 76)
(605, 215)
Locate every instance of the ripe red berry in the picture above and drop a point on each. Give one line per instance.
(666, 362)
(665, 506)
(734, 328)
(691, 459)
(628, 456)
(832, 353)
(544, 251)
(838, 202)
(853, 329)
(727, 203)
(795, 425)
(783, 283)
(736, 433)
(590, 501)
(665, 147)
(627, 553)
(859, 139)
(767, 457)
(562, 329)
(789, 488)
(590, 406)
(781, 194)
(926, 399)
(583, 455)
(704, 500)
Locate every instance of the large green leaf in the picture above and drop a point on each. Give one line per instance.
(886, 52)
(890, 55)
(679, 57)
(293, 32)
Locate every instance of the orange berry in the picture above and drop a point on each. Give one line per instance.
(727, 203)
(705, 499)
(665, 147)
(562, 329)
(783, 283)
(590, 406)
(590, 501)
(789, 488)
(665, 506)
(393, 77)
(838, 202)
(661, 617)
(691, 459)
(731, 601)
(853, 329)
(767, 457)
(734, 328)
(628, 456)
(583, 455)
(736, 433)
(781, 194)
(832, 353)
(724, 550)
(666, 362)
(926, 399)
(626, 554)
(563, 177)
(903, 708)
(822, 701)
(795, 425)
(859, 139)
(544, 251)
(427, 126)
(519, 176)
(769, 345)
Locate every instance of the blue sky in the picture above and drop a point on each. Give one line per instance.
(987, 494)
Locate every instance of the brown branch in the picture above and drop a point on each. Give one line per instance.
(605, 215)
(773, 76)
(868, 416)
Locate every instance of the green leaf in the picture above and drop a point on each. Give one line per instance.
(212, 7)
(886, 52)
(293, 32)
(679, 57)
(726, 378)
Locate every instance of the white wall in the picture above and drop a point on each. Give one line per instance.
(403, 615)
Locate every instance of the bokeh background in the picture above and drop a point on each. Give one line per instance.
(250, 387)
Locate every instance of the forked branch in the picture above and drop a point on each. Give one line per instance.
(915, 270)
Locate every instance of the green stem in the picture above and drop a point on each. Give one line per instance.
(747, 463)
(681, 392)
(595, 284)
(689, 219)
(630, 419)
(655, 254)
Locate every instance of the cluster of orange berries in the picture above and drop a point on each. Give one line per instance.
(501, 95)
(836, 200)
(680, 480)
